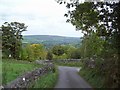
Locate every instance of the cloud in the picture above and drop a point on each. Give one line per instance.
(41, 16)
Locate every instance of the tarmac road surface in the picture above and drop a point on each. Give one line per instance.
(69, 78)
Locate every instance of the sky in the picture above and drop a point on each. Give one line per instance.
(43, 17)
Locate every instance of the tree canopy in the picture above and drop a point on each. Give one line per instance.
(58, 50)
(11, 38)
(100, 23)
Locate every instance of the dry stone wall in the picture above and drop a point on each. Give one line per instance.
(68, 60)
(25, 80)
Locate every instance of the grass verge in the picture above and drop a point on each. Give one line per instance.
(47, 81)
(95, 80)
(71, 64)
(11, 69)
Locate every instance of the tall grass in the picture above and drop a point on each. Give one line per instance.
(11, 69)
(94, 79)
(47, 81)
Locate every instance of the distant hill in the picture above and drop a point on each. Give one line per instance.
(50, 40)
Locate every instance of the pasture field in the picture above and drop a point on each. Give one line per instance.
(11, 69)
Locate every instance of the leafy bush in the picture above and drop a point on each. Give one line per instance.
(32, 52)
(73, 53)
(49, 55)
(58, 50)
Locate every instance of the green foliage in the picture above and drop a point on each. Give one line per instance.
(92, 45)
(0, 40)
(24, 54)
(49, 55)
(46, 81)
(82, 17)
(55, 57)
(70, 52)
(96, 80)
(58, 50)
(39, 51)
(73, 53)
(100, 23)
(32, 52)
(11, 38)
(85, 14)
(27, 53)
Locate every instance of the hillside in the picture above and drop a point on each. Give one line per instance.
(50, 40)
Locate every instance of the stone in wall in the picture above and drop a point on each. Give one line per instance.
(25, 80)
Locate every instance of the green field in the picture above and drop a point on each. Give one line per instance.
(11, 69)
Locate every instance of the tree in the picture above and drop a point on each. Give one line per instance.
(39, 51)
(30, 53)
(58, 50)
(92, 45)
(74, 53)
(49, 55)
(11, 37)
(102, 18)
(106, 16)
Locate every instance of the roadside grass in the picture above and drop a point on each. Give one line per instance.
(47, 81)
(94, 79)
(0, 62)
(11, 69)
(71, 64)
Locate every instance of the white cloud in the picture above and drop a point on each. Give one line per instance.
(41, 16)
